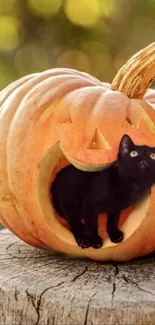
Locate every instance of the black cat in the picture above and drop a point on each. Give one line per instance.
(77, 194)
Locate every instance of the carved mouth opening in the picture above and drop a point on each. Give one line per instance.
(54, 161)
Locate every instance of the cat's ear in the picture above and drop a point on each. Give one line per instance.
(126, 145)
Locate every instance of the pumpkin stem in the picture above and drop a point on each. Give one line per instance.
(135, 77)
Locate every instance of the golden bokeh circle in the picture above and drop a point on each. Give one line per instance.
(44, 8)
(85, 13)
(74, 59)
(10, 33)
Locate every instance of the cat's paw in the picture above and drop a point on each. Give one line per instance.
(96, 242)
(83, 242)
(117, 236)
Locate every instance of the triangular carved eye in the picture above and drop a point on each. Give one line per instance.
(140, 110)
(98, 141)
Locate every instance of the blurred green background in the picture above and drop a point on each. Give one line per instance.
(96, 36)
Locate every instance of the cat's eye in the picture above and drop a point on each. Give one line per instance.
(133, 153)
(152, 156)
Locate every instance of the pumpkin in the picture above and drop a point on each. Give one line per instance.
(62, 116)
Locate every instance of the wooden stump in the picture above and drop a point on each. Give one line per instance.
(40, 287)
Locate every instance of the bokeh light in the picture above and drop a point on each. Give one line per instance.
(10, 33)
(74, 59)
(122, 57)
(6, 75)
(99, 53)
(83, 12)
(107, 8)
(45, 8)
(7, 6)
(34, 57)
(144, 26)
(96, 36)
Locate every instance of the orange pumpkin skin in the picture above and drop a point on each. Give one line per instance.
(63, 111)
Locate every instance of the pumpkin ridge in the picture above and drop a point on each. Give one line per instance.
(6, 92)
(12, 97)
(82, 108)
(63, 90)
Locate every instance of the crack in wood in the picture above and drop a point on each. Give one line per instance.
(10, 245)
(116, 268)
(87, 309)
(81, 274)
(38, 301)
(16, 294)
(113, 293)
(41, 297)
(116, 272)
(10, 279)
(128, 280)
(82, 291)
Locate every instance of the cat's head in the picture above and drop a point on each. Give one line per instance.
(136, 162)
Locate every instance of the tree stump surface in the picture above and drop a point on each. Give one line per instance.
(49, 288)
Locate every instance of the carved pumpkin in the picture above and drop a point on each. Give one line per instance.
(59, 116)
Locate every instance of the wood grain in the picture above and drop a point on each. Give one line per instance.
(40, 287)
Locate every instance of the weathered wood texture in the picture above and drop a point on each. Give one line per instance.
(39, 287)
